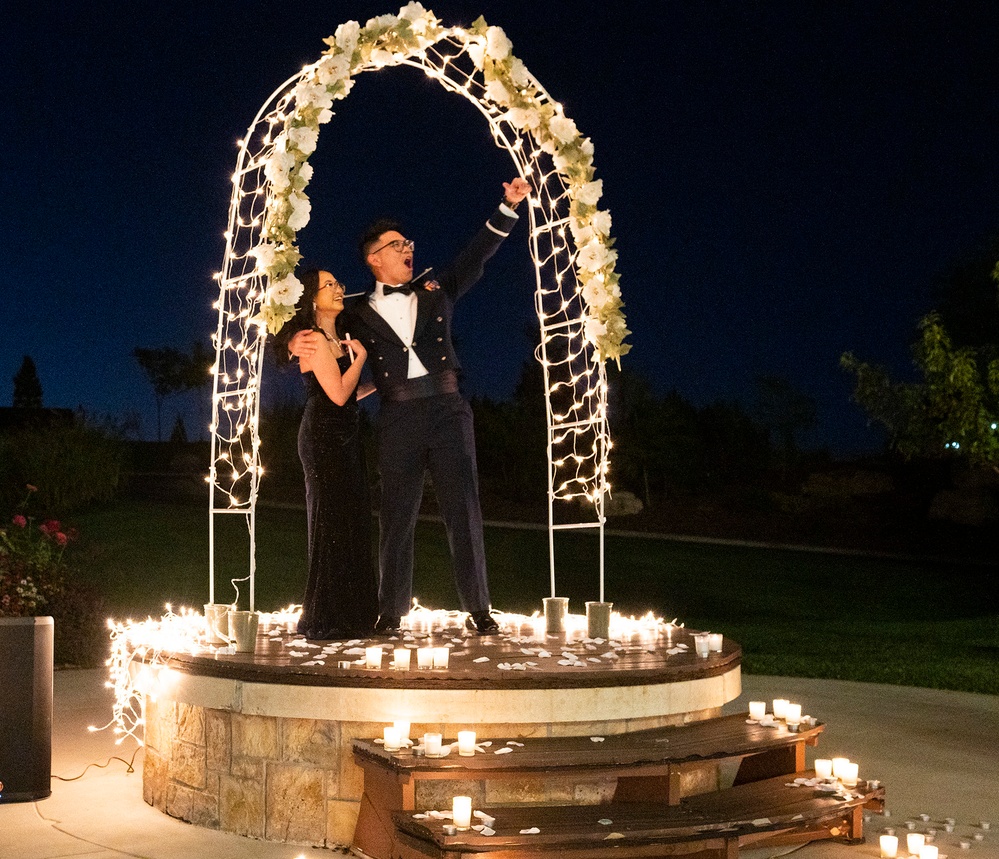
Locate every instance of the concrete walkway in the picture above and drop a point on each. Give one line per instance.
(937, 752)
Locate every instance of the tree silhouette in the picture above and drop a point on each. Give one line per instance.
(171, 371)
(27, 387)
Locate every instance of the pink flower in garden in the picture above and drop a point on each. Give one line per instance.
(49, 526)
(31, 488)
(61, 538)
(20, 521)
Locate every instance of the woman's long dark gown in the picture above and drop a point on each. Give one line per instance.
(341, 595)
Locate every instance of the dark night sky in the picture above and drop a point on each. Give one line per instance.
(786, 179)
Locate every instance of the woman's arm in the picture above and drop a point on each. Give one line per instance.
(338, 386)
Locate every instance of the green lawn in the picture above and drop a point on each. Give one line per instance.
(794, 613)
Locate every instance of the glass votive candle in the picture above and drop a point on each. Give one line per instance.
(837, 766)
(757, 710)
(823, 767)
(424, 657)
(402, 727)
(432, 745)
(850, 774)
(401, 657)
(373, 657)
(792, 714)
(466, 743)
(780, 707)
(441, 657)
(914, 842)
(390, 736)
(929, 851)
(461, 809)
(715, 641)
(889, 846)
(701, 645)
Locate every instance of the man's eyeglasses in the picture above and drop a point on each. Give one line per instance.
(398, 245)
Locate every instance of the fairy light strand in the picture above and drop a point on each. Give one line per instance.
(576, 296)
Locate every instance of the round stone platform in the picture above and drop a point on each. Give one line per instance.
(260, 744)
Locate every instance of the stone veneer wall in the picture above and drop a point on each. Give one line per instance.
(294, 779)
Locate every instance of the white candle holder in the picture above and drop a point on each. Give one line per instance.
(390, 737)
(889, 846)
(432, 745)
(403, 727)
(780, 708)
(372, 657)
(466, 743)
(424, 657)
(838, 767)
(823, 768)
(401, 657)
(757, 710)
(914, 842)
(441, 655)
(461, 809)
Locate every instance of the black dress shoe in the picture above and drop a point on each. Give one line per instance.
(387, 624)
(482, 622)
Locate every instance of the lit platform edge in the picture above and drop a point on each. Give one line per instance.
(472, 706)
(609, 680)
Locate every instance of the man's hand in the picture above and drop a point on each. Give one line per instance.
(515, 191)
(305, 343)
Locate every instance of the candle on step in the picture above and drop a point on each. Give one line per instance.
(432, 745)
(466, 743)
(914, 842)
(402, 726)
(461, 808)
(780, 707)
(838, 765)
(424, 657)
(373, 657)
(390, 735)
(850, 772)
(401, 655)
(441, 657)
(757, 710)
(823, 767)
(793, 714)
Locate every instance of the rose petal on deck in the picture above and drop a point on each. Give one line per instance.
(481, 659)
(505, 750)
(532, 831)
(597, 739)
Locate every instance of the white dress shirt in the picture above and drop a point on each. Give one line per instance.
(399, 311)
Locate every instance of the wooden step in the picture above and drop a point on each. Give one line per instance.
(764, 813)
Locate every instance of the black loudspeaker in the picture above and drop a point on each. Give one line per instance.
(25, 708)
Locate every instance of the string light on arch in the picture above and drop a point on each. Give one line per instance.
(577, 296)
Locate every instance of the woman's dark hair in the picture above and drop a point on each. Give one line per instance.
(304, 318)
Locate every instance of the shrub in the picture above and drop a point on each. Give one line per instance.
(72, 465)
(31, 565)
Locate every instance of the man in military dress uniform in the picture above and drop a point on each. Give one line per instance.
(424, 423)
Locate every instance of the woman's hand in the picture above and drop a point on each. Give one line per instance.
(355, 346)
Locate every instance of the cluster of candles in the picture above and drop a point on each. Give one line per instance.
(842, 769)
(915, 842)
(396, 736)
(783, 710)
(706, 643)
(426, 657)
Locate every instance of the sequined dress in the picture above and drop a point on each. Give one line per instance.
(341, 595)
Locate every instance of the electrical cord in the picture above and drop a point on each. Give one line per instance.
(129, 764)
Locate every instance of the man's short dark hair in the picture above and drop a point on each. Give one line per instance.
(375, 230)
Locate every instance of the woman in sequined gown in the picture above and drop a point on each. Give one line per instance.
(341, 593)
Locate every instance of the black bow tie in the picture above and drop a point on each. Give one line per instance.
(405, 289)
